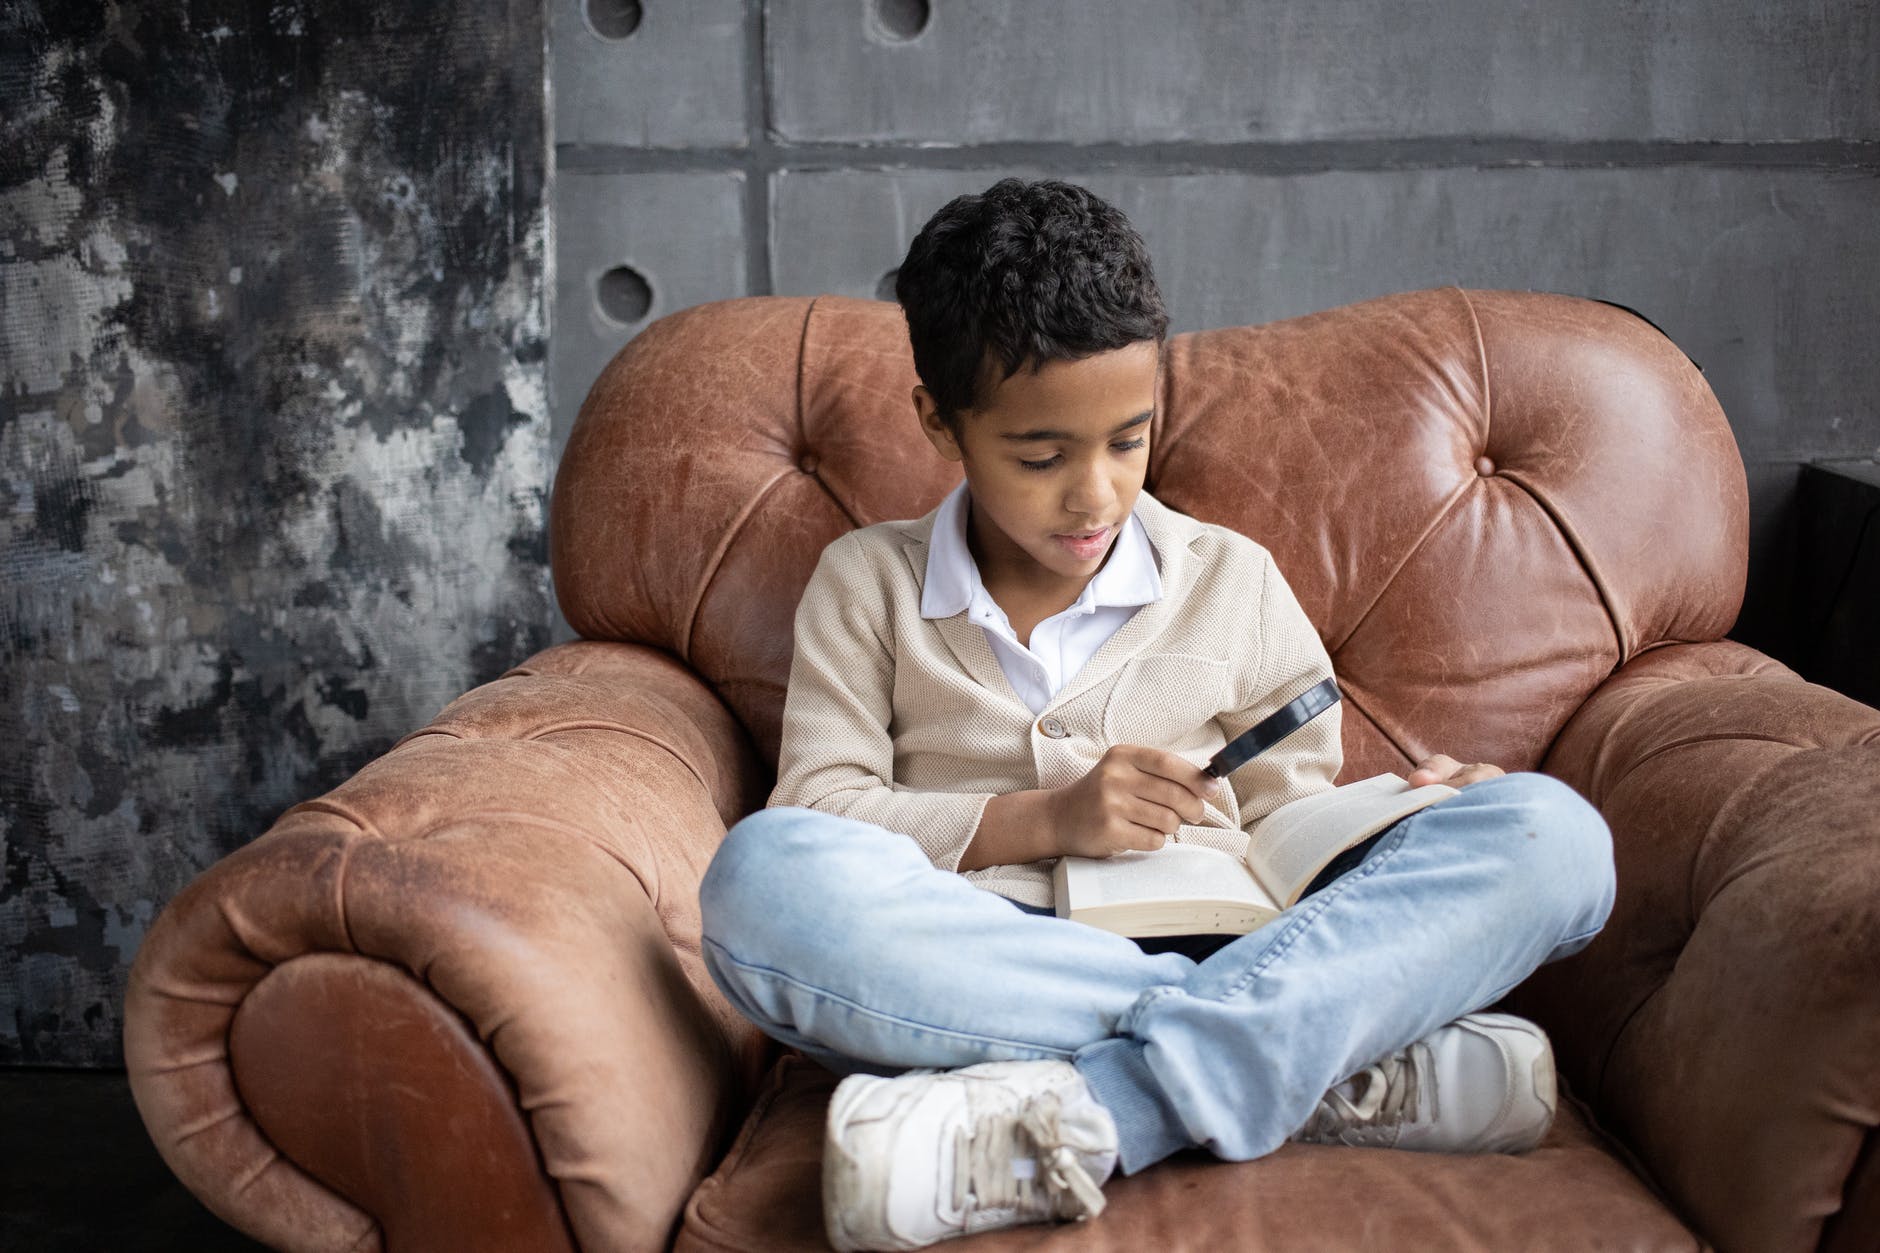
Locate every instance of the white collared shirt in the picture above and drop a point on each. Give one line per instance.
(1062, 643)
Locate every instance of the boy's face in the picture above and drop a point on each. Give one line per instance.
(1051, 454)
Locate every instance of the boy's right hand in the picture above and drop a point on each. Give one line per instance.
(1132, 799)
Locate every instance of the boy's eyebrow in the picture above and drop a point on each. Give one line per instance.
(1025, 436)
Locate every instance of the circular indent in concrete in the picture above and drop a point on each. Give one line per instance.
(623, 295)
(613, 19)
(902, 20)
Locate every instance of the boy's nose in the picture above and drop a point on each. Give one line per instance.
(1093, 498)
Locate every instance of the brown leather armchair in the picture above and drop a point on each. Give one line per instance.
(457, 1003)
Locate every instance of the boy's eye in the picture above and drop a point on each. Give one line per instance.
(1052, 460)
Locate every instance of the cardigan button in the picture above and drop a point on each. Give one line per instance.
(1053, 728)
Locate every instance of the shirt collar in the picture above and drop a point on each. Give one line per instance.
(952, 585)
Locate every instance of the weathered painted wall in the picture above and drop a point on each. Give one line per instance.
(1713, 166)
(273, 435)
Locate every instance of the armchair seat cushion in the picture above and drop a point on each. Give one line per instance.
(1573, 1192)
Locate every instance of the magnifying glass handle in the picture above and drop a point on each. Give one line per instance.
(1273, 728)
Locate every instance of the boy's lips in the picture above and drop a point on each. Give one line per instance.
(1084, 547)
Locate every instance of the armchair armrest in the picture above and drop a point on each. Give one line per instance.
(458, 1001)
(1726, 1022)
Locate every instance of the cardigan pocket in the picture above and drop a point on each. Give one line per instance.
(1170, 701)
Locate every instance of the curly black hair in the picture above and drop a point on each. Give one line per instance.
(1024, 273)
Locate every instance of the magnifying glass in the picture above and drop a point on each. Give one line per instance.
(1273, 728)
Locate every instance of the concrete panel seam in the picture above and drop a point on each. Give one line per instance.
(1271, 156)
(757, 145)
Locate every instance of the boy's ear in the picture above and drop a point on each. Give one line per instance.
(928, 410)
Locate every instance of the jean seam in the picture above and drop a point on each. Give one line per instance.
(1321, 901)
(943, 1033)
(1126, 1025)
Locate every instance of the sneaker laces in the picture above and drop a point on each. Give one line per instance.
(1000, 1161)
(1391, 1087)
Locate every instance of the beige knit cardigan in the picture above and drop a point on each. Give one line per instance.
(910, 723)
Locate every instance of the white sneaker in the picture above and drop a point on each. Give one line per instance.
(1482, 1084)
(927, 1155)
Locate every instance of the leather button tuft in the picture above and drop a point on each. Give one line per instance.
(1053, 728)
(1483, 466)
(808, 462)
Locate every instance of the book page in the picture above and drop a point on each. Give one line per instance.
(1296, 841)
(1172, 872)
(1180, 889)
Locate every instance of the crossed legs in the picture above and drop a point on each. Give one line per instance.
(841, 939)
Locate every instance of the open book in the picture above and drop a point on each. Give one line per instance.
(1190, 889)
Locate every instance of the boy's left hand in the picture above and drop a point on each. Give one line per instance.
(1445, 769)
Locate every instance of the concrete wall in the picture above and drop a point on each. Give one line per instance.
(273, 436)
(1710, 165)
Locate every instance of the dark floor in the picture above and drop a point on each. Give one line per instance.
(78, 1174)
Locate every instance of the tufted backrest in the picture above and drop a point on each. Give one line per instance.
(1486, 501)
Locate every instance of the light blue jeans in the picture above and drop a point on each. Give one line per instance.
(840, 938)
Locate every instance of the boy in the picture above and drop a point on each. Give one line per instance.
(1038, 667)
